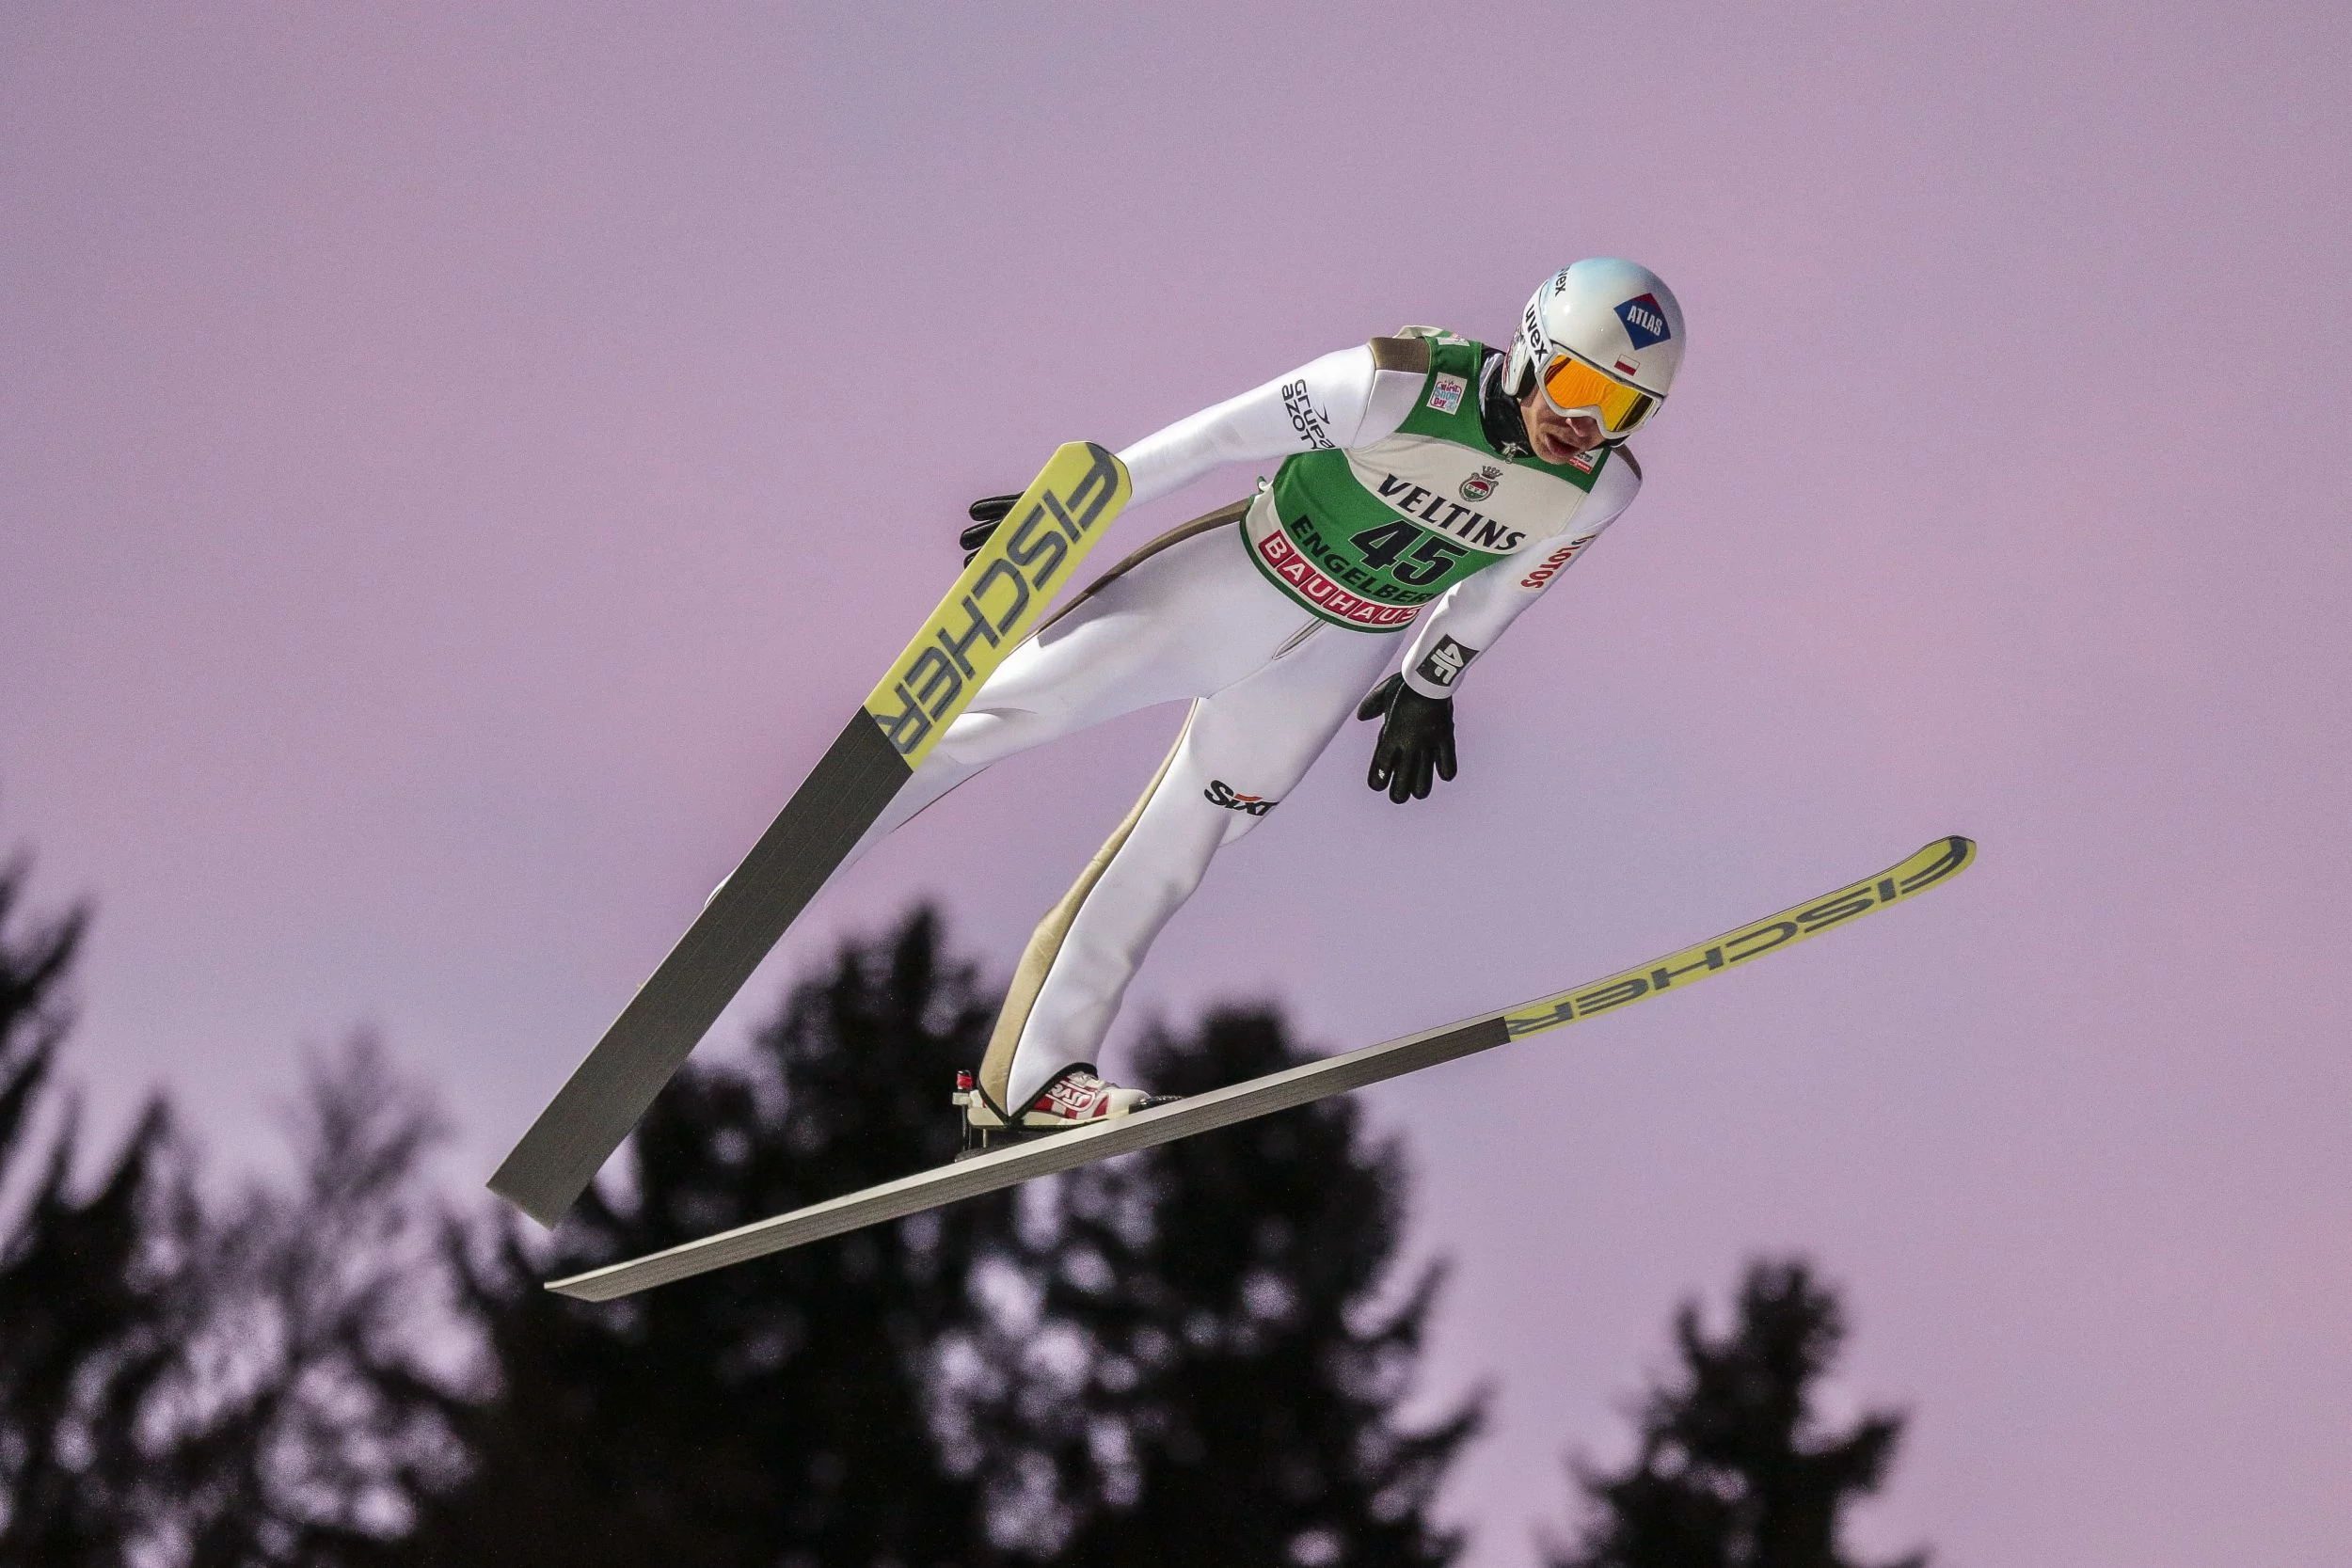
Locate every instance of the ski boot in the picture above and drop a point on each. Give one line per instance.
(1076, 1097)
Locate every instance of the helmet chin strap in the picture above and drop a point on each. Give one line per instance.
(1498, 413)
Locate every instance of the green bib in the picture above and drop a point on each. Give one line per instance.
(1366, 536)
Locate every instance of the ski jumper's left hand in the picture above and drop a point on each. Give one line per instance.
(1415, 739)
(985, 514)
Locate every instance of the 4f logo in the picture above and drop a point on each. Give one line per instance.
(1446, 662)
(1219, 793)
(1645, 321)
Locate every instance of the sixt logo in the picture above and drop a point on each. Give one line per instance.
(1219, 793)
(1645, 321)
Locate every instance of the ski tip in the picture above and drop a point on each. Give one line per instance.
(1952, 854)
(588, 1287)
(1939, 860)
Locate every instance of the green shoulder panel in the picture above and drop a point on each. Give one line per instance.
(1448, 405)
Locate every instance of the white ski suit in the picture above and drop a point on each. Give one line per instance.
(1237, 613)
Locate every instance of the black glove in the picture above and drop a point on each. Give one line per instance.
(1417, 738)
(986, 513)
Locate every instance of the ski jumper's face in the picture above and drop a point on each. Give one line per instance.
(1557, 436)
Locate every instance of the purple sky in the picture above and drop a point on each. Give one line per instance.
(457, 470)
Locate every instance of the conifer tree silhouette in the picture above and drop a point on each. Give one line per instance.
(1206, 1373)
(86, 1298)
(1735, 1468)
(773, 1414)
(301, 1423)
(1188, 1357)
(191, 1389)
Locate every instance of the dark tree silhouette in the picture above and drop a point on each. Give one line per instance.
(771, 1413)
(1735, 1469)
(86, 1290)
(1202, 1371)
(1188, 1357)
(1193, 1355)
(202, 1389)
(302, 1422)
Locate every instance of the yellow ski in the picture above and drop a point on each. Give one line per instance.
(998, 601)
(1937, 862)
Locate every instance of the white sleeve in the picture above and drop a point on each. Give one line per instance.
(1470, 615)
(1341, 399)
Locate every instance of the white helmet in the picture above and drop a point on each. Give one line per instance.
(1604, 335)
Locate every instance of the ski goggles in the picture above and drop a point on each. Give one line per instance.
(1569, 384)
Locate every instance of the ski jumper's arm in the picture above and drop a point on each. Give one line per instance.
(1474, 612)
(1342, 400)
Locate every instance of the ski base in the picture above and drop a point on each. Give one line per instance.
(1282, 1091)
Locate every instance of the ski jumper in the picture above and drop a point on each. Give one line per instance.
(1394, 526)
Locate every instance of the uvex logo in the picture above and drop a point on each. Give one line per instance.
(974, 628)
(1219, 793)
(1472, 528)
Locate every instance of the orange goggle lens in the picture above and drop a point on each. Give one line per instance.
(1572, 384)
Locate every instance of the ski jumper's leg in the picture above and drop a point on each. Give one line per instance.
(1183, 616)
(1242, 749)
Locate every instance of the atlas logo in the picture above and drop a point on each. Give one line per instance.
(1446, 662)
(1219, 793)
(1645, 321)
(1481, 485)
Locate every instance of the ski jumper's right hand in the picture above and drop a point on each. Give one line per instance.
(986, 513)
(1415, 739)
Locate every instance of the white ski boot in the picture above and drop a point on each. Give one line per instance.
(1077, 1097)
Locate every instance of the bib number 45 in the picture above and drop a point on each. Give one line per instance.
(1382, 548)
